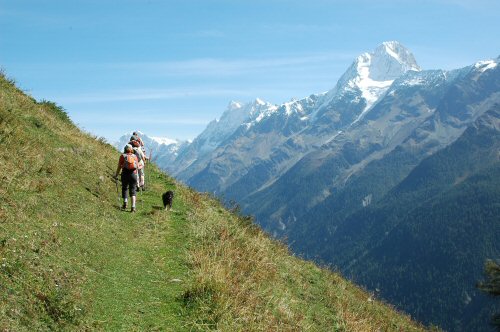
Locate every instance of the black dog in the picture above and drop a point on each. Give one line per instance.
(168, 199)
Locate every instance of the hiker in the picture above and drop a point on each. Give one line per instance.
(140, 156)
(142, 176)
(135, 137)
(128, 165)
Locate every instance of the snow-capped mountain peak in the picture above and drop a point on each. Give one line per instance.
(485, 65)
(164, 140)
(390, 60)
(387, 62)
(238, 113)
(234, 105)
(259, 101)
(166, 149)
(371, 74)
(235, 115)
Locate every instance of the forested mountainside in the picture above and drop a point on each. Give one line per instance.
(423, 245)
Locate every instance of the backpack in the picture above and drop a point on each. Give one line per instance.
(130, 162)
(138, 153)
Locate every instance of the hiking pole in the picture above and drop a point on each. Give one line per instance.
(146, 161)
(147, 176)
(142, 200)
(138, 192)
(117, 191)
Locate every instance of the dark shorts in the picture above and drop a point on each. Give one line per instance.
(129, 181)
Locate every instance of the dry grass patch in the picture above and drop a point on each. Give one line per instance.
(245, 281)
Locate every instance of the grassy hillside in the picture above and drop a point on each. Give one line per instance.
(71, 260)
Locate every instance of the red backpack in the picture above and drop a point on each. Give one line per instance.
(130, 161)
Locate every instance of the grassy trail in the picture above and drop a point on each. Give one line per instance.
(140, 284)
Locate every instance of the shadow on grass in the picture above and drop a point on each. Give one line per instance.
(155, 210)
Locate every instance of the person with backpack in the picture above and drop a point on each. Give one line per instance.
(128, 165)
(135, 137)
(140, 170)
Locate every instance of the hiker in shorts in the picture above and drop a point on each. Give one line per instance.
(140, 170)
(128, 165)
(142, 176)
(135, 137)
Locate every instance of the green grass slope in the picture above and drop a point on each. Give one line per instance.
(71, 260)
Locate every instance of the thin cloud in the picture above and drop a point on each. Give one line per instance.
(300, 28)
(150, 94)
(208, 33)
(473, 4)
(114, 120)
(210, 67)
(37, 19)
(146, 94)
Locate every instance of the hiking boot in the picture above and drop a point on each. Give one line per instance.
(124, 206)
(133, 210)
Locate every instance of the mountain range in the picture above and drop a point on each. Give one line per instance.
(391, 176)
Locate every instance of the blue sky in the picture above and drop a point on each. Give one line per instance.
(169, 67)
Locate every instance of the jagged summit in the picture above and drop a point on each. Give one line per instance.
(387, 62)
(485, 65)
(244, 110)
(259, 101)
(390, 60)
(234, 105)
(371, 74)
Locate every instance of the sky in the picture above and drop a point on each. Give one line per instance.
(169, 67)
